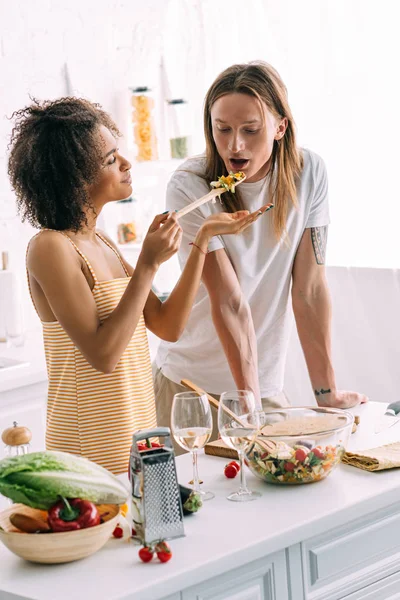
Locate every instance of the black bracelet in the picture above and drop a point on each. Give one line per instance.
(322, 391)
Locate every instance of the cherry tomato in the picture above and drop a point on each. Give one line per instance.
(300, 454)
(164, 556)
(318, 453)
(230, 471)
(289, 466)
(145, 554)
(164, 553)
(118, 532)
(235, 464)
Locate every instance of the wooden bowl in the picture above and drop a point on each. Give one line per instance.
(61, 547)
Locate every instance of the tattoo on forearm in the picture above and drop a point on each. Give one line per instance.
(322, 391)
(319, 236)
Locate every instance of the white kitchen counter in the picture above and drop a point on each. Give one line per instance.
(226, 536)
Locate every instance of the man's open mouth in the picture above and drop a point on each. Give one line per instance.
(238, 164)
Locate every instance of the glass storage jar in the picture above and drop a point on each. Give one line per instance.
(128, 229)
(143, 124)
(178, 127)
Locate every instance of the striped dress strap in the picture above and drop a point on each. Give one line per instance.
(89, 266)
(103, 239)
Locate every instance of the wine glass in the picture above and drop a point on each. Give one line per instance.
(191, 424)
(238, 423)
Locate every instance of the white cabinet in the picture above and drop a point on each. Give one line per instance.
(358, 560)
(385, 589)
(264, 579)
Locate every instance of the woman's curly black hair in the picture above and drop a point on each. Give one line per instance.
(55, 153)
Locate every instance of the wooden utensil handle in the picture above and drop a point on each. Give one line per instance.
(195, 388)
(200, 201)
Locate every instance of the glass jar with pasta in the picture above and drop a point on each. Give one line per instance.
(143, 124)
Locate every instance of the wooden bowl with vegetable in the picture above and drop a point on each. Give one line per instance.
(66, 507)
(34, 541)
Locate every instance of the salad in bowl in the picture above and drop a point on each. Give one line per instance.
(299, 445)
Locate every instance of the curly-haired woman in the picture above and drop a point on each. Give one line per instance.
(64, 166)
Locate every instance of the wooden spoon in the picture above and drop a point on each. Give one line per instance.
(29, 524)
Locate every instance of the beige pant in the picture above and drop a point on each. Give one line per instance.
(165, 389)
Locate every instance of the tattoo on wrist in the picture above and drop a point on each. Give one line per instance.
(322, 391)
(319, 236)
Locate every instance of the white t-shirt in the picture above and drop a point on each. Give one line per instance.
(263, 267)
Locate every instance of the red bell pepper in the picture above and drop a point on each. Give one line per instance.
(72, 515)
(147, 444)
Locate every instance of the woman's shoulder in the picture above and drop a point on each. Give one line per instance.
(48, 246)
(46, 238)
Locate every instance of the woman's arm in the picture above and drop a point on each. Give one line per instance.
(56, 268)
(312, 311)
(168, 319)
(233, 321)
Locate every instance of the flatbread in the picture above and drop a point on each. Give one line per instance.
(375, 459)
(304, 425)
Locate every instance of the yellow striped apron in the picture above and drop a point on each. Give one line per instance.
(93, 414)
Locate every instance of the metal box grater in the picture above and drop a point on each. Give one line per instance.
(156, 502)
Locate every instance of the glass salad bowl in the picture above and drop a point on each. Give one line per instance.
(299, 445)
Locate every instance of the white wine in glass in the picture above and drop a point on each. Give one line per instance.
(191, 425)
(238, 423)
(239, 437)
(192, 438)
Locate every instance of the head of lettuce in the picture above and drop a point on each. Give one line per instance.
(40, 478)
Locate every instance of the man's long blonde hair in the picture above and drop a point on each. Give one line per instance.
(260, 80)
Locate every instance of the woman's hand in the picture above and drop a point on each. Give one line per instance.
(231, 223)
(162, 240)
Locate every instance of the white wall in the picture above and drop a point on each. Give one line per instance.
(337, 57)
(108, 47)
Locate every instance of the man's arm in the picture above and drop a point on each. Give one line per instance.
(312, 311)
(232, 320)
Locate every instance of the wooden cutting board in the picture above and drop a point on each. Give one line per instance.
(219, 448)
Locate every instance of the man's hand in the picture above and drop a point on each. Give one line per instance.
(232, 223)
(341, 399)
